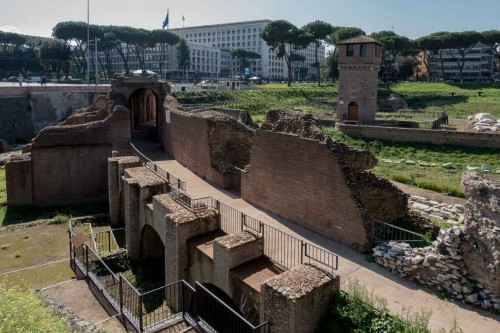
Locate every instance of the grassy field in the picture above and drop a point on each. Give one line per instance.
(439, 179)
(438, 96)
(460, 100)
(271, 96)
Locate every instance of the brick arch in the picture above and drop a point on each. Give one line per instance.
(143, 105)
(151, 244)
(152, 256)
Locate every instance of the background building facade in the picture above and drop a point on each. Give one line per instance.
(210, 54)
(480, 65)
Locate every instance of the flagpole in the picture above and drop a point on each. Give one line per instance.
(88, 43)
(168, 15)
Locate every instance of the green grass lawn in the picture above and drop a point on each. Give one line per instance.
(265, 97)
(310, 97)
(432, 178)
(438, 96)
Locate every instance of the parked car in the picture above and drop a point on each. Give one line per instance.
(34, 79)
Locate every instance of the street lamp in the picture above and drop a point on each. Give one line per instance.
(88, 42)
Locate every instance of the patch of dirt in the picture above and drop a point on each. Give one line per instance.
(26, 247)
(431, 195)
(77, 296)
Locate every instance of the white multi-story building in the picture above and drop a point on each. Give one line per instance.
(246, 35)
(210, 53)
(480, 64)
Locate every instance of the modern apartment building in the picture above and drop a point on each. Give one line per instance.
(480, 65)
(210, 52)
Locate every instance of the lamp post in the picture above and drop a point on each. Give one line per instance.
(88, 42)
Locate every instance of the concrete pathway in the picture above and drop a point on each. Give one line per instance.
(400, 294)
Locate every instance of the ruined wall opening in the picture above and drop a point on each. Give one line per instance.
(151, 267)
(143, 113)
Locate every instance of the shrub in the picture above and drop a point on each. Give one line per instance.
(22, 311)
(357, 311)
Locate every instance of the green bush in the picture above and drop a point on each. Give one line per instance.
(22, 311)
(357, 311)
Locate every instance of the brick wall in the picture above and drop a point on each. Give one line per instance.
(187, 140)
(301, 180)
(295, 300)
(208, 144)
(69, 163)
(22, 117)
(468, 139)
(19, 182)
(66, 175)
(358, 85)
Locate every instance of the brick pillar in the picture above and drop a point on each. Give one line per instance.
(131, 207)
(116, 166)
(177, 225)
(295, 300)
(19, 179)
(140, 185)
(231, 251)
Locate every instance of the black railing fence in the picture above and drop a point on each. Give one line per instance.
(105, 241)
(171, 179)
(216, 314)
(155, 309)
(279, 246)
(384, 232)
(282, 248)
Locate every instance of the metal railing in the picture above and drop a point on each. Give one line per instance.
(279, 246)
(171, 179)
(105, 241)
(222, 318)
(165, 304)
(384, 232)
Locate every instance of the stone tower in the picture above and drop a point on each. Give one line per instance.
(359, 64)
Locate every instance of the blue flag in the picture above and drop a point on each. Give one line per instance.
(165, 23)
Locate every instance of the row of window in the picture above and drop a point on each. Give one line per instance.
(223, 32)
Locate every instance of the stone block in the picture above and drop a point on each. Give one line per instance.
(231, 251)
(295, 300)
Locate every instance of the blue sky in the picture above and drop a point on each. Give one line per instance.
(411, 19)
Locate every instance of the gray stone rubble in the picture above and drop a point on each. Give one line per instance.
(453, 214)
(463, 261)
(443, 270)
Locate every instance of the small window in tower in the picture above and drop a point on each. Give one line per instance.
(362, 50)
(350, 50)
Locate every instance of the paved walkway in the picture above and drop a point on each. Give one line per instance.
(400, 293)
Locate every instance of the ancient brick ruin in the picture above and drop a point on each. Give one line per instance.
(209, 142)
(463, 261)
(299, 173)
(288, 167)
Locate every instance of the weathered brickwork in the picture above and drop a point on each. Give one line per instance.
(468, 139)
(208, 143)
(231, 251)
(300, 179)
(295, 300)
(116, 168)
(358, 78)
